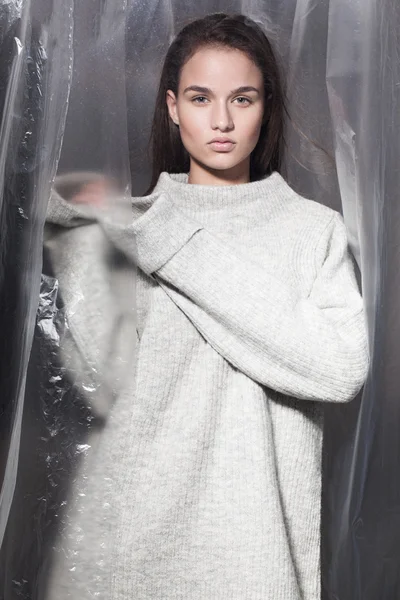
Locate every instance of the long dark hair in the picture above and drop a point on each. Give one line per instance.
(231, 31)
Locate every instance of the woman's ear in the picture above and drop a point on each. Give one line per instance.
(171, 103)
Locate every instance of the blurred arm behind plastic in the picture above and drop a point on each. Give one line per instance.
(96, 286)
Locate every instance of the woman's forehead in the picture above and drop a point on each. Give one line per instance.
(220, 67)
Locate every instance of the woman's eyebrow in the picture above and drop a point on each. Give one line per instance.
(204, 90)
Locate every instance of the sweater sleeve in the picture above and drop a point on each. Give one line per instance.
(311, 348)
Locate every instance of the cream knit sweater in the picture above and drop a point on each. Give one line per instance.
(206, 482)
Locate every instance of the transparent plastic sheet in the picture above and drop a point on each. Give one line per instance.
(84, 331)
(342, 66)
(363, 499)
(33, 98)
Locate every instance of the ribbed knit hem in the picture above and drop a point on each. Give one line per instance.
(209, 592)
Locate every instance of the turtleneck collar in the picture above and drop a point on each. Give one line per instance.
(198, 197)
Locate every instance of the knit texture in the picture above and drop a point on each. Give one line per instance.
(206, 483)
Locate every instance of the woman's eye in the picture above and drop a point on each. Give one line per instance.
(243, 100)
(240, 100)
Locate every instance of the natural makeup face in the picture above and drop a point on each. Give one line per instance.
(219, 109)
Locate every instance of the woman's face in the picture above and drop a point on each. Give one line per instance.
(220, 97)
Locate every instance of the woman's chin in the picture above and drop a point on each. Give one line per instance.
(221, 162)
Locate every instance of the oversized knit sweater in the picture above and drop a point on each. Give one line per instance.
(206, 482)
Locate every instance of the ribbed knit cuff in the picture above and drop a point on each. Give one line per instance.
(160, 233)
(68, 214)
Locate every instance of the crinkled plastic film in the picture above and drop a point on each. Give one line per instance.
(35, 78)
(341, 59)
(65, 76)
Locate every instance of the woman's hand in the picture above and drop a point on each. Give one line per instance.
(94, 193)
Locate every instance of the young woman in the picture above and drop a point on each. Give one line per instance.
(206, 482)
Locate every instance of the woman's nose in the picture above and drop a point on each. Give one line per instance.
(221, 117)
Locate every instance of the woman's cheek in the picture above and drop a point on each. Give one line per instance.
(254, 134)
(193, 132)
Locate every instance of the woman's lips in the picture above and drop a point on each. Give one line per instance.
(222, 146)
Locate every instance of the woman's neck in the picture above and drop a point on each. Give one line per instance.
(201, 175)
